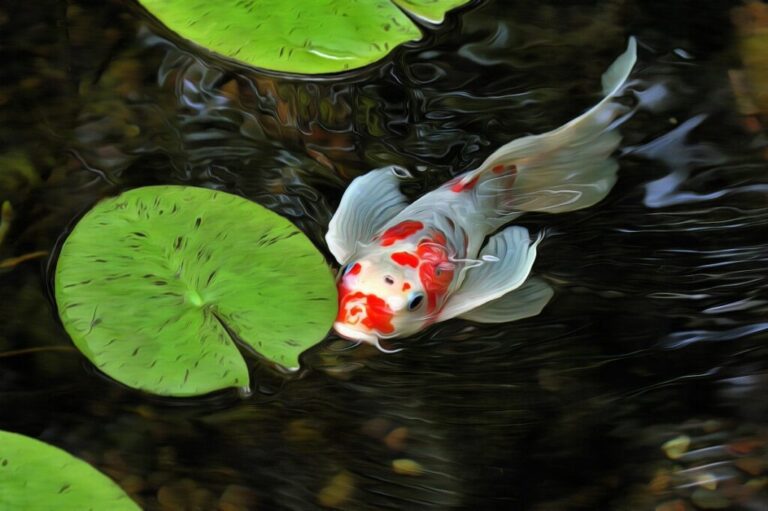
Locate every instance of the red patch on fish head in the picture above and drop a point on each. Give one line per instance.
(378, 315)
(359, 309)
(400, 232)
(405, 259)
(349, 305)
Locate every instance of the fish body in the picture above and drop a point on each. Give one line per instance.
(406, 266)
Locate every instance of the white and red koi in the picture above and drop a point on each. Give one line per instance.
(406, 266)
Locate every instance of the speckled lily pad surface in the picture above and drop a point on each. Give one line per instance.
(156, 285)
(307, 37)
(37, 476)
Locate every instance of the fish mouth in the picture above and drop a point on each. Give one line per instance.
(347, 332)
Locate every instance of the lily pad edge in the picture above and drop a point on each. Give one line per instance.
(419, 23)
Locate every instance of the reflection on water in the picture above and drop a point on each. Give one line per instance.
(641, 385)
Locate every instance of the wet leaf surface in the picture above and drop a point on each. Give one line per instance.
(156, 285)
(321, 36)
(35, 475)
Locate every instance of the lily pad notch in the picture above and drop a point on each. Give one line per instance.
(303, 37)
(154, 286)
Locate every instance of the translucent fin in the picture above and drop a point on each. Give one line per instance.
(368, 203)
(526, 301)
(506, 259)
(563, 170)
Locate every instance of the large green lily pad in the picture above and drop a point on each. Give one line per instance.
(155, 284)
(35, 476)
(307, 37)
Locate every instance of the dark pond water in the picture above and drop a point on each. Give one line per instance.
(657, 331)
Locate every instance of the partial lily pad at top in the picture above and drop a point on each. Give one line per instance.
(38, 476)
(155, 285)
(306, 37)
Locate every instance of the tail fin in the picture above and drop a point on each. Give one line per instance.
(563, 170)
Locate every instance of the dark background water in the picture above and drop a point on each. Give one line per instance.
(657, 330)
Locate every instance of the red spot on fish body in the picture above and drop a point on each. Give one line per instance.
(355, 269)
(405, 259)
(461, 187)
(400, 232)
(439, 238)
(513, 173)
(436, 270)
(406, 286)
(511, 168)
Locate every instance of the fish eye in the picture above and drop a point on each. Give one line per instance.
(389, 280)
(415, 300)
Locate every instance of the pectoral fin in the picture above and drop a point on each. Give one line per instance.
(526, 301)
(506, 261)
(368, 203)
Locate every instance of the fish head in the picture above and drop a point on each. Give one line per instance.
(380, 298)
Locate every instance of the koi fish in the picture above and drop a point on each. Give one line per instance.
(407, 266)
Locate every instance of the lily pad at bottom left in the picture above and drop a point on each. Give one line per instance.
(35, 476)
(162, 286)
